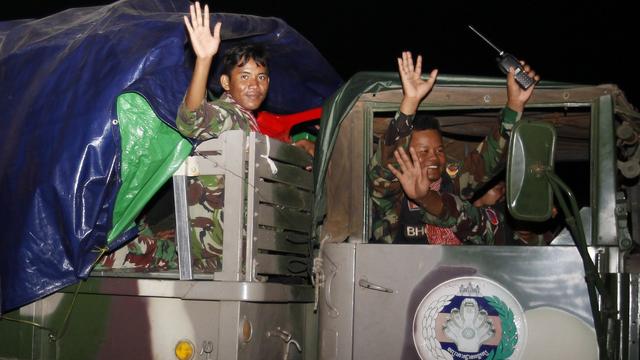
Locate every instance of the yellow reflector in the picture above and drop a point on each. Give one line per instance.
(184, 350)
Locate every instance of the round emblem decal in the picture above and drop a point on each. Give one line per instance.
(469, 318)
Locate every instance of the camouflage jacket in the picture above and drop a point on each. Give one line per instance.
(469, 224)
(212, 118)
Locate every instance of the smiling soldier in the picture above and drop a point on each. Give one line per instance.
(245, 80)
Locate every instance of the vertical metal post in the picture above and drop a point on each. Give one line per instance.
(603, 166)
(633, 334)
(183, 241)
(228, 330)
(251, 207)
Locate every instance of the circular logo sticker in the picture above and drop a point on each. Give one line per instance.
(469, 318)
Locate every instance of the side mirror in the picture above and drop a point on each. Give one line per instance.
(531, 150)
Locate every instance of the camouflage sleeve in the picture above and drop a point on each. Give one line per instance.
(488, 159)
(209, 120)
(470, 224)
(386, 191)
(385, 220)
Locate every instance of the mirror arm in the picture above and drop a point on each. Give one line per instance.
(592, 277)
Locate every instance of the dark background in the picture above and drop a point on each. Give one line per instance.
(571, 41)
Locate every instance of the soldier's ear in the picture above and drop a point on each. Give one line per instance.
(224, 81)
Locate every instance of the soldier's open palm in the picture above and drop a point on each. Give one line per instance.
(411, 75)
(204, 43)
(411, 175)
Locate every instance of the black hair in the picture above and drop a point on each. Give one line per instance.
(423, 121)
(240, 54)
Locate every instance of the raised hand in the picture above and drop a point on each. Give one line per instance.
(414, 87)
(205, 45)
(517, 97)
(412, 176)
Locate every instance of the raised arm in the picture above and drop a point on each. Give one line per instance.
(488, 159)
(517, 97)
(414, 88)
(385, 187)
(205, 45)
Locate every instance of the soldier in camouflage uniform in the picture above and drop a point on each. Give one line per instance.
(244, 78)
(426, 200)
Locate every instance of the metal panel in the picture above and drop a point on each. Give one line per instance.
(286, 195)
(270, 324)
(229, 329)
(159, 322)
(127, 327)
(310, 347)
(283, 241)
(357, 187)
(281, 265)
(540, 278)
(286, 173)
(336, 303)
(277, 183)
(284, 218)
(250, 250)
(338, 214)
(21, 341)
(603, 168)
(280, 151)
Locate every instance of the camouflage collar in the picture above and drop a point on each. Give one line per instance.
(253, 124)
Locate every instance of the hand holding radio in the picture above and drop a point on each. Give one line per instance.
(521, 79)
(517, 96)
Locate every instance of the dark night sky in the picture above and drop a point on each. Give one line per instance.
(567, 41)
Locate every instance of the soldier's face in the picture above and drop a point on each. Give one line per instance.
(428, 146)
(247, 85)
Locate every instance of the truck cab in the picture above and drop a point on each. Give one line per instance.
(408, 301)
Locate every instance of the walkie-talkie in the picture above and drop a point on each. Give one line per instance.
(506, 61)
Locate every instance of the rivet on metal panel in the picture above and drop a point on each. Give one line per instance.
(566, 95)
(246, 330)
(486, 98)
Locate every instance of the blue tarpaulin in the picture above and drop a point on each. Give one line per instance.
(60, 77)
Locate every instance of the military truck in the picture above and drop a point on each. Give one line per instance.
(375, 300)
(259, 235)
